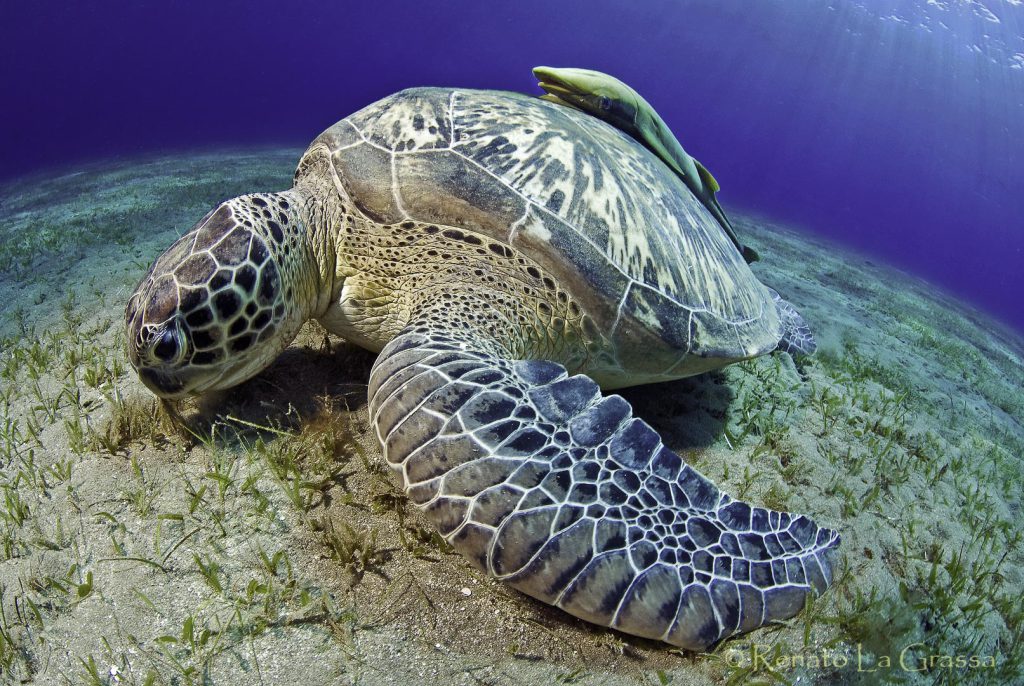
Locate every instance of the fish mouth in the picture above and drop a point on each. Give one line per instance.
(556, 90)
(561, 95)
(552, 83)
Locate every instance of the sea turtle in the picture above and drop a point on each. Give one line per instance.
(506, 256)
(610, 99)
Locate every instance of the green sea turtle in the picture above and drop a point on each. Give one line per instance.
(606, 97)
(506, 256)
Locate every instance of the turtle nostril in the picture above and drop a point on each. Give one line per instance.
(167, 347)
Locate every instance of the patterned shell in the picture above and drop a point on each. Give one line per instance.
(584, 200)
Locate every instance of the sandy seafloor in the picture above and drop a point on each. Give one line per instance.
(132, 552)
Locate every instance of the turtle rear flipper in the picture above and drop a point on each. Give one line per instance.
(545, 484)
(796, 335)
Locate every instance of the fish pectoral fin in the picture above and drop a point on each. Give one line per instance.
(707, 178)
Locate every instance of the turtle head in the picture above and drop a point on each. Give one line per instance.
(224, 300)
(591, 91)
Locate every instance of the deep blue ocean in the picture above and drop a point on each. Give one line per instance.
(893, 126)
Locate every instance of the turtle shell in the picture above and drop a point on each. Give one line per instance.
(588, 203)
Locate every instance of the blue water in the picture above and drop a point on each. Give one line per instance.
(894, 126)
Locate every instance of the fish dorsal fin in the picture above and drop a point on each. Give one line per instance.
(707, 178)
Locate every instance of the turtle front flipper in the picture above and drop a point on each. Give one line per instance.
(545, 484)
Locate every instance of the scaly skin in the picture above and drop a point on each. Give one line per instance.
(529, 472)
(216, 309)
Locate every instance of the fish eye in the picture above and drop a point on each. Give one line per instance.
(606, 103)
(167, 347)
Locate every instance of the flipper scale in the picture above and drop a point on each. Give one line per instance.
(564, 494)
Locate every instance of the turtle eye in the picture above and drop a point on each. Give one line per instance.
(166, 347)
(606, 103)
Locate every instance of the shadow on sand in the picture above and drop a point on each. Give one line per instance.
(304, 383)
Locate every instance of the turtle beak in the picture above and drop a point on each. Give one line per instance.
(162, 385)
(158, 354)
